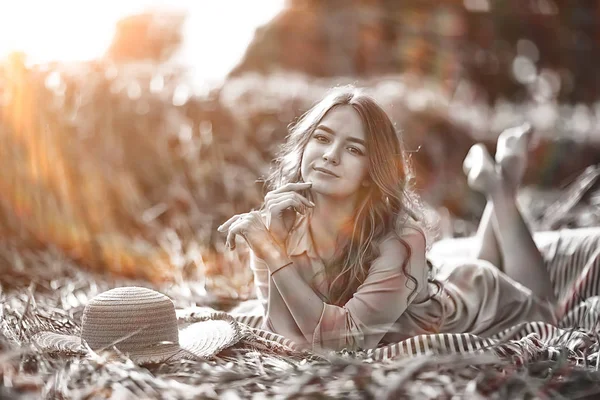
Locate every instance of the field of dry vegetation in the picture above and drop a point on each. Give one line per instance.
(114, 175)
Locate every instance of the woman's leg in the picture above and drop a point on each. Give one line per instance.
(486, 245)
(522, 260)
(511, 156)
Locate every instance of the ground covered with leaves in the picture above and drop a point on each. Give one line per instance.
(43, 290)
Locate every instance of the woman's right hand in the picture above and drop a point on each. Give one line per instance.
(276, 204)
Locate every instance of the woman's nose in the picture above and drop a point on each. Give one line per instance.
(331, 156)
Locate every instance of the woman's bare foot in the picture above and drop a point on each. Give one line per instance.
(511, 153)
(481, 171)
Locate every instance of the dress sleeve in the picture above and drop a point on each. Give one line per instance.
(379, 301)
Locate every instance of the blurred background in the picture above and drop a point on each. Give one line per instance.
(130, 130)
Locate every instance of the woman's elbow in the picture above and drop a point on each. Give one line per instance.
(288, 332)
(338, 341)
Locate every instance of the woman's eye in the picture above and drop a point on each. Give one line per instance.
(356, 151)
(321, 138)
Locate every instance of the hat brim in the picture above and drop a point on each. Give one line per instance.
(52, 342)
(200, 340)
(60, 343)
(208, 337)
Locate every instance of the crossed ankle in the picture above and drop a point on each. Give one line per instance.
(502, 191)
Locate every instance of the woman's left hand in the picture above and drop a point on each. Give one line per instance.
(250, 226)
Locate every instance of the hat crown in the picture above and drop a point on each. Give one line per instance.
(130, 318)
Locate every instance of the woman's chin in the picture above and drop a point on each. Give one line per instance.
(325, 189)
(321, 188)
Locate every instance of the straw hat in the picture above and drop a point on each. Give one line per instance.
(143, 324)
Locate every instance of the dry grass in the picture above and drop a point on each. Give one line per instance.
(43, 290)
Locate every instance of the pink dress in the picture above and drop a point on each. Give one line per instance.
(476, 297)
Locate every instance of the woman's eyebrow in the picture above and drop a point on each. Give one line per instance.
(331, 131)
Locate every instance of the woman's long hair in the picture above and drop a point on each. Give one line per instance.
(385, 205)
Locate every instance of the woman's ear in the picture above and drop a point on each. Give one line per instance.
(366, 183)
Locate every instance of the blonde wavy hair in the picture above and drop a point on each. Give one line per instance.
(383, 206)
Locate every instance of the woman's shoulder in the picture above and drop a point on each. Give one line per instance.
(410, 232)
(394, 244)
(414, 233)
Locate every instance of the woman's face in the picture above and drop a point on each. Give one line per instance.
(335, 158)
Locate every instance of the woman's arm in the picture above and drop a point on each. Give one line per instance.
(264, 247)
(373, 310)
(298, 297)
(277, 315)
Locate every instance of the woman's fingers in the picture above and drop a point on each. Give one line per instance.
(272, 198)
(278, 200)
(245, 224)
(274, 209)
(228, 223)
(275, 202)
(277, 207)
(238, 227)
(293, 186)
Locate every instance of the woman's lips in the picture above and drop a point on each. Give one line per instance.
(326, 172)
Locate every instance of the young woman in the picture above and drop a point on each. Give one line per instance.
(338, 251)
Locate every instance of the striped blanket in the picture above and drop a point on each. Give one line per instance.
(573, 261)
